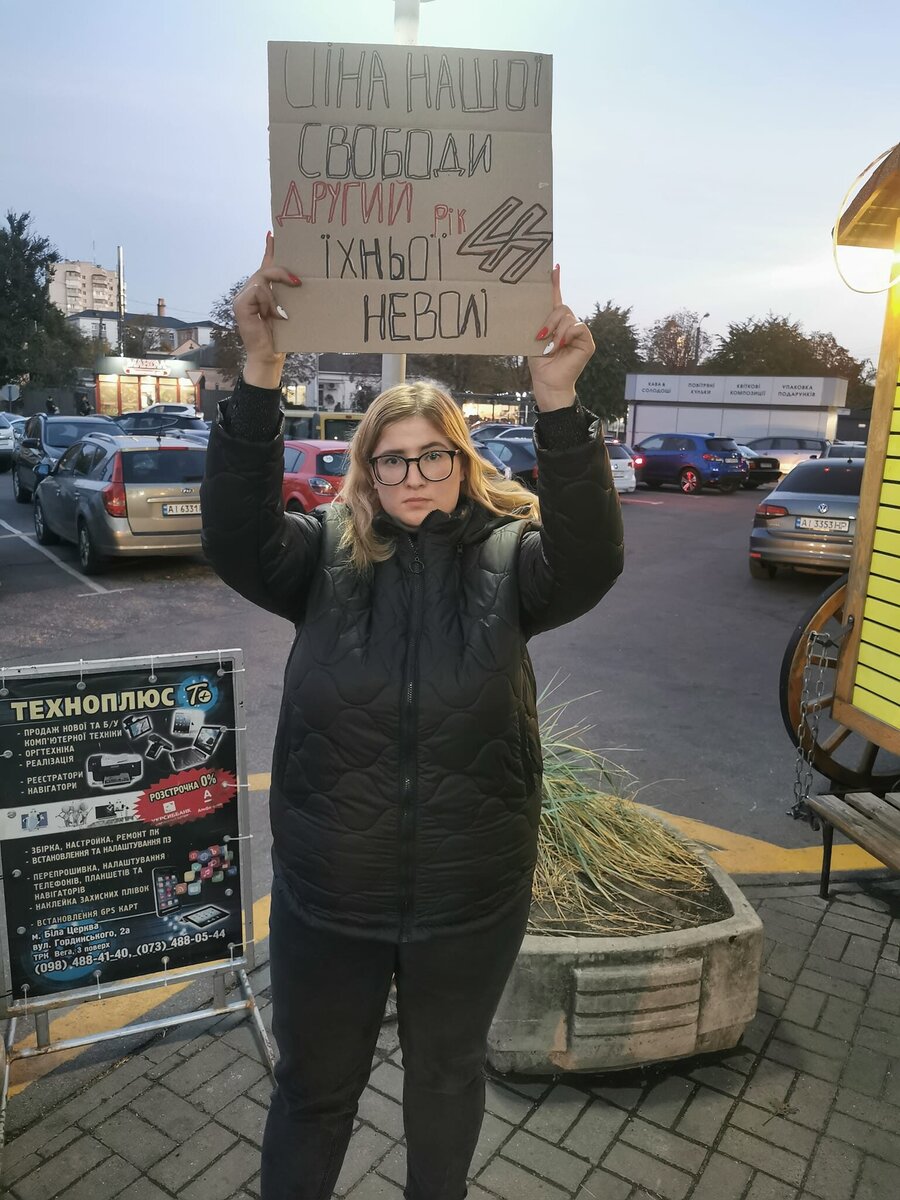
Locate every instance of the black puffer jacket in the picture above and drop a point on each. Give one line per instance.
(405, 794)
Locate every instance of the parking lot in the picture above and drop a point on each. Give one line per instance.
(677, 670)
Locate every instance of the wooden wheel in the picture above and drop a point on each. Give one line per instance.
(844, 757)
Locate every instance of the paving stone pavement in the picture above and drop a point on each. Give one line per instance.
(806, 1108)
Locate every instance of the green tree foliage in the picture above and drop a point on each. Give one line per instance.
(298, 368)
(779, 346)
(26, 263)
(671, 344)
(57, 351)
(141, 336)
(602, 383)
(459, 373)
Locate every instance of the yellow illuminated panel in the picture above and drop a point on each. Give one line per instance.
(876, 686)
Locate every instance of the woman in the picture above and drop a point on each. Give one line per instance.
(405, 794)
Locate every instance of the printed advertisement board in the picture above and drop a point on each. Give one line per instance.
(120, 836)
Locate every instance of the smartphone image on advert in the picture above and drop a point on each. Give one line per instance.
(165, 881)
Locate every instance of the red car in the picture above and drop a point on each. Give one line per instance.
(313, 473)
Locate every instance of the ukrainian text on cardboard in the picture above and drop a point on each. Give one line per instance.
(411, 192)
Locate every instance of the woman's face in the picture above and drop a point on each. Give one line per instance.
(411, 501)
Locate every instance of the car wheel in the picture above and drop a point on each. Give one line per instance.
(750, 484)
(294, 506)
(44, 535)
(728, 486)
(20, 492)
(761, 570)
(689, 482)
(89, 560)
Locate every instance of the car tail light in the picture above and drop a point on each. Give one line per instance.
(768, 511)
(114, 492)
(712, 458)
(320, 486)
(639, 460)
(534, 474)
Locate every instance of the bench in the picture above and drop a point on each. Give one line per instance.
(868, 820)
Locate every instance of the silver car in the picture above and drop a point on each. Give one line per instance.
(808, 521)
(115, 495)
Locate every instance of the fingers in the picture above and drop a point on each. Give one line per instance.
(557, 293)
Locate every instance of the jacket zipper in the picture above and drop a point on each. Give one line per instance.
(408, 740)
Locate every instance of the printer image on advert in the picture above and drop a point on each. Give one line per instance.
(113, 770)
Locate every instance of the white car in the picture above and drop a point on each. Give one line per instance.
(177, 410)
(790, 450)
(7, 442)
(622, 464)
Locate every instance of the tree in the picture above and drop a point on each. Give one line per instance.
(26, 264)
(671, 344)
(779, 346)
(57, 352)
(363, 397)
(298, 368)
(141, 336)
(481, 373)
(602, 382)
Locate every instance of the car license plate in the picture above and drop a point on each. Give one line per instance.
(823, 524)
(731, 458)
(181, 510)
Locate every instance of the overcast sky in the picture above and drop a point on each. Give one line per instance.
(701, 148)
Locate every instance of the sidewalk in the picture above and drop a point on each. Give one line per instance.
(808, 1107)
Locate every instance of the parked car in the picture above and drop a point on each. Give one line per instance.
(313, 473)
(636, 457)
(521, 458)
(515, 433)
(693, 461)
(490, 457)
(44, 439)
(846, 450)
(760, 468)
(790, 450)
(490, 429)
(7, 442)
(622, 464)
(153, 422)
(174, 408)
(119, 495)
(808, 521)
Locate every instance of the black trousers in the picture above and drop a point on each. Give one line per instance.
(328, 998)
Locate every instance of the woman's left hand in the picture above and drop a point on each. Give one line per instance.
(568, 347)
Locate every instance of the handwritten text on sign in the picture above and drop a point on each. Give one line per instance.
(411, 192)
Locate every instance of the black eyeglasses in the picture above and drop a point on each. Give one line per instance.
(434, 465)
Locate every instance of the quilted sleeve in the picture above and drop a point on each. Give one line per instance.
(254, 546)
(570, 563)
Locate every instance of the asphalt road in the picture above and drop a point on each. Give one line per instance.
(678, 667)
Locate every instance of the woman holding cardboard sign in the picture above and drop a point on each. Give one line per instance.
(406, 780)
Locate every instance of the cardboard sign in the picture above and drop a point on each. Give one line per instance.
(411, 192)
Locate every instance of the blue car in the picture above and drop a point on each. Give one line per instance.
(691, 461)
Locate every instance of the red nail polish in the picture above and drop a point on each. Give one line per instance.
(562, 341)
(541, 333)
(293, 278)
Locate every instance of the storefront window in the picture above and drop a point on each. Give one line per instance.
(148, 391)
(107, 395)
(187, 392)
(129, 394)
(168, 391)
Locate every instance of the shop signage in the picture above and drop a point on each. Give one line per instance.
(120, 836)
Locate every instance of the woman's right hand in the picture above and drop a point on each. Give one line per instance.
(256, 312)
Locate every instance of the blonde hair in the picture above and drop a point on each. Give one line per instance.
(481, 482)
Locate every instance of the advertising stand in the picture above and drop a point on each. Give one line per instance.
(123, 834)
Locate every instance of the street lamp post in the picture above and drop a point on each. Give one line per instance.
(406, 33)
(697, 340)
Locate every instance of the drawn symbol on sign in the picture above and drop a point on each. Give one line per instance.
(505, 232)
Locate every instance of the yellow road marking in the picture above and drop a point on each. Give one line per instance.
(735, 852)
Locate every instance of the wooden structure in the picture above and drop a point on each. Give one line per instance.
(840, 690)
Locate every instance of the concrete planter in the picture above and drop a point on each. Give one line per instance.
(585, 1003)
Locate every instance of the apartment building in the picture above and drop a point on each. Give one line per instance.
(79, 286)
